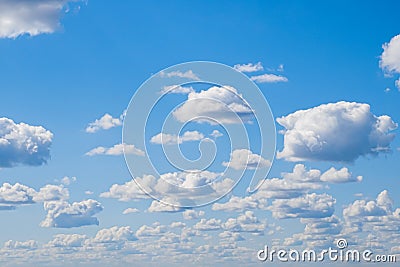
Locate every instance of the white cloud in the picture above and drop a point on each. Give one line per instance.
(130, 210)
(397, 84)
(190, 214)
(187, 74)
(245, 159)
(223, 104)
(339, 176)
(237, 204)
(30, 17)
(114, 235)
(104, 123)
(148, 231)
(216, 134)
(130, 190)
(158, 206)
(23, 144)
(168, 139)
(28, 245)
(307, 206)
(390, 58)
(177, 89)
(246, 222)
(61, 214)
(51, 193)
(13, 195)
(68, 180)
(208, 225)
(116, 150)
(269, 78)
(250, 67)
(340, 131)
(362, 208)
(67, 240)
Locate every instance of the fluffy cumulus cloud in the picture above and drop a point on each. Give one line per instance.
(12, 196)
(341, 131)
(18, 17)
(307, 206)
(223, 104)
(115, 234)
(67, 240)
(269, 78)
(181, 187)
(245, 159)
(250, 67)
(21, 143)
(61, 214)
(168, 139)
(292, 185)
(246, 222)
(390, 58)
(116, 150)
(130, 210)
(190, 214)
(105, 123)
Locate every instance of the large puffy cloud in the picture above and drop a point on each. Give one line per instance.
(61, 214)
(115, 234)
(18, 17)
(245, 159)
(307, 206)
(390, 58)
(116, 150)
(223, 104)
(18, 194)
(340, 131)
(182, 188)
(23, 144)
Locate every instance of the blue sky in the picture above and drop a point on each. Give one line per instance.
(65, 65)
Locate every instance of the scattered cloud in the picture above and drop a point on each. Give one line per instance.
(28, 245)
(67, 240)
(341, 131)
(339, 176)
(245, 159)
(30, 17)
(250, 67)
(177, 89)
(61, 214)
(208, 225)
(220, 104)
(130, 210)
(216, 134)
(68, 180)
(161, 206)
(170, 139)
(246, 222)
(269, 78)
(191, 214)
(23, 144)
(237, 204)
(187, 74)
(116, 150)
(307, 206)
(105, 123)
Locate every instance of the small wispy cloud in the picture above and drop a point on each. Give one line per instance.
(269, 78)
(116, 150)
(250, 67)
